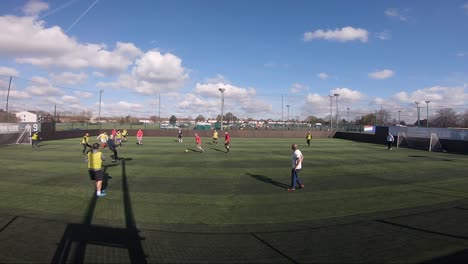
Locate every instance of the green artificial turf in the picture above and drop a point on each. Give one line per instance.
(159, 186)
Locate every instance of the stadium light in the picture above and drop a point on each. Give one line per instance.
(427, 113)
(417, 108)
(288, 113)
(399, 122)
(222, 105)
(347, 114)
(337, 119)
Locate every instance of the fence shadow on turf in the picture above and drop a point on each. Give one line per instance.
(266, 179)
(72, 247)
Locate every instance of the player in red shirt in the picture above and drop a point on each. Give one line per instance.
(227, 141)
(140, 136)
(199, 142)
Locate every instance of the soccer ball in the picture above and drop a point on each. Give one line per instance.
(186, 150)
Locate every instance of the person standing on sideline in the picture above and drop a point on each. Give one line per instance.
(308, 138)
(297, 159)
(103, 138)
(113, 147)
(34, 139)
(85, 143)
(94, 160)
(390, 140)
(140, 136)
(198, 141)
(179, 135)
(227, 141)
(215, 137)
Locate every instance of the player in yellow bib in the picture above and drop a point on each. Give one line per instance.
(34, 139)
(215, 137)
(308, 138)
(94, 160)
(85, 142)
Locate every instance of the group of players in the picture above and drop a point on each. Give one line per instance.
(198, 141)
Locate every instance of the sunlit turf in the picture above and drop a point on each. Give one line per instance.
(168, 185)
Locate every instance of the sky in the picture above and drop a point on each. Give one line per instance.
(275, 59)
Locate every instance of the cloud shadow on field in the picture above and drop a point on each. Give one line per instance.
(266, 179)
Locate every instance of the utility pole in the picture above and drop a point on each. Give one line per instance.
(337, 119)
(100, 100)
(399, 121)
(417, 108)
(8, 97)
(222, 105)
(159, 109)
(427, 113)
(331, 112)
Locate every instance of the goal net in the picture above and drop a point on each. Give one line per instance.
(431, 143)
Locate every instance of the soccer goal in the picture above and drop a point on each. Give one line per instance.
(24, 136)
(434, 143)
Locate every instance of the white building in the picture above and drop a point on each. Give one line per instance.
(27, 117)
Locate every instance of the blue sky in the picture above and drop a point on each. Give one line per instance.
(266, 54)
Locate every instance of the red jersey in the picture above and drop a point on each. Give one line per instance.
(227, 138)
(198, 139)
(140, 133)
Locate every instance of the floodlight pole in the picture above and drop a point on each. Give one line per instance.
(337, 120)
(8, 96)
(399, 122)
(427, 113)
(417, 107)
(288, 114)
(100, 98)
(222, 105)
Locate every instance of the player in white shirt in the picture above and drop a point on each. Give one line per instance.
(297, 159)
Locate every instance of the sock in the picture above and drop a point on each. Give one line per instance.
(98, 192)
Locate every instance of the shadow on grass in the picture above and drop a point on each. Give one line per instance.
(427, 157)
(219, 150)
(194, 150)
(72, 247)
(457, 257)
(266, 179)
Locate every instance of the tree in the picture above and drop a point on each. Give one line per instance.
(200, 118)
(172, 120)
(229, 117)
(313, 119)
(368, 119)
(154, 118)
(445, 117)
(464, 119)
(383, 117)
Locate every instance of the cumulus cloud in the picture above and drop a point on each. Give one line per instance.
(84, 94)
(15, 94)
(41, 86)
(68, 99)
(231, 91)
(8, 71)
(395, 13)
(438, 95)
(298, 88)
(323, 75)
(342, 35)
(384, 74)
(217, 79)
(34, 7)
(153, 72)
(69, 78)
(29, 41)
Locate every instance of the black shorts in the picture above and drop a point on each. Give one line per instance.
(96, 175)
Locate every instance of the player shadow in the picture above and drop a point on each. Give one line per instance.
(427, 157)
(76, 238)
(193, 150)
(220, 150)
(266, 179)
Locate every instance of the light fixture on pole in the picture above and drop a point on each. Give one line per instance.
(222, 105)
(427, 113)
(417, 108)
(288, 112)
(399, 122)
(347, 115)
(337, 119)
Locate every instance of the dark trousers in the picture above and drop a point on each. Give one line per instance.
(389, 144)
(115, 153)
(86, 146)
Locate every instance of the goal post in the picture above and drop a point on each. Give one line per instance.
(434, 143)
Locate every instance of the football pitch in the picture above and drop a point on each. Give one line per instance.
(361, 203)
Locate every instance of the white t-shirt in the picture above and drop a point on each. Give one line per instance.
(297, 155)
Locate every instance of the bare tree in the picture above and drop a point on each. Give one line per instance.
(445, 117)
(200, 118)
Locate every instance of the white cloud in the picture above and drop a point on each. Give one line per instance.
(465, 6)
(384, 74)
(342, 35)
(395, 13)
(438, 95)
(83, 94)
(29, 41)
(69, 78)
(42, 87)
(323, 75)
(14, 94)
(212, 90)
(68, 99)
(217, 79)
(98, 74)
(9, 71)
(348, 95)
(298, 88)
(384, 35)
(34, 7)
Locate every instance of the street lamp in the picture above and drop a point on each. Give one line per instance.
(427, 113)
(337, 119)
(222, 105)
(417, 107)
